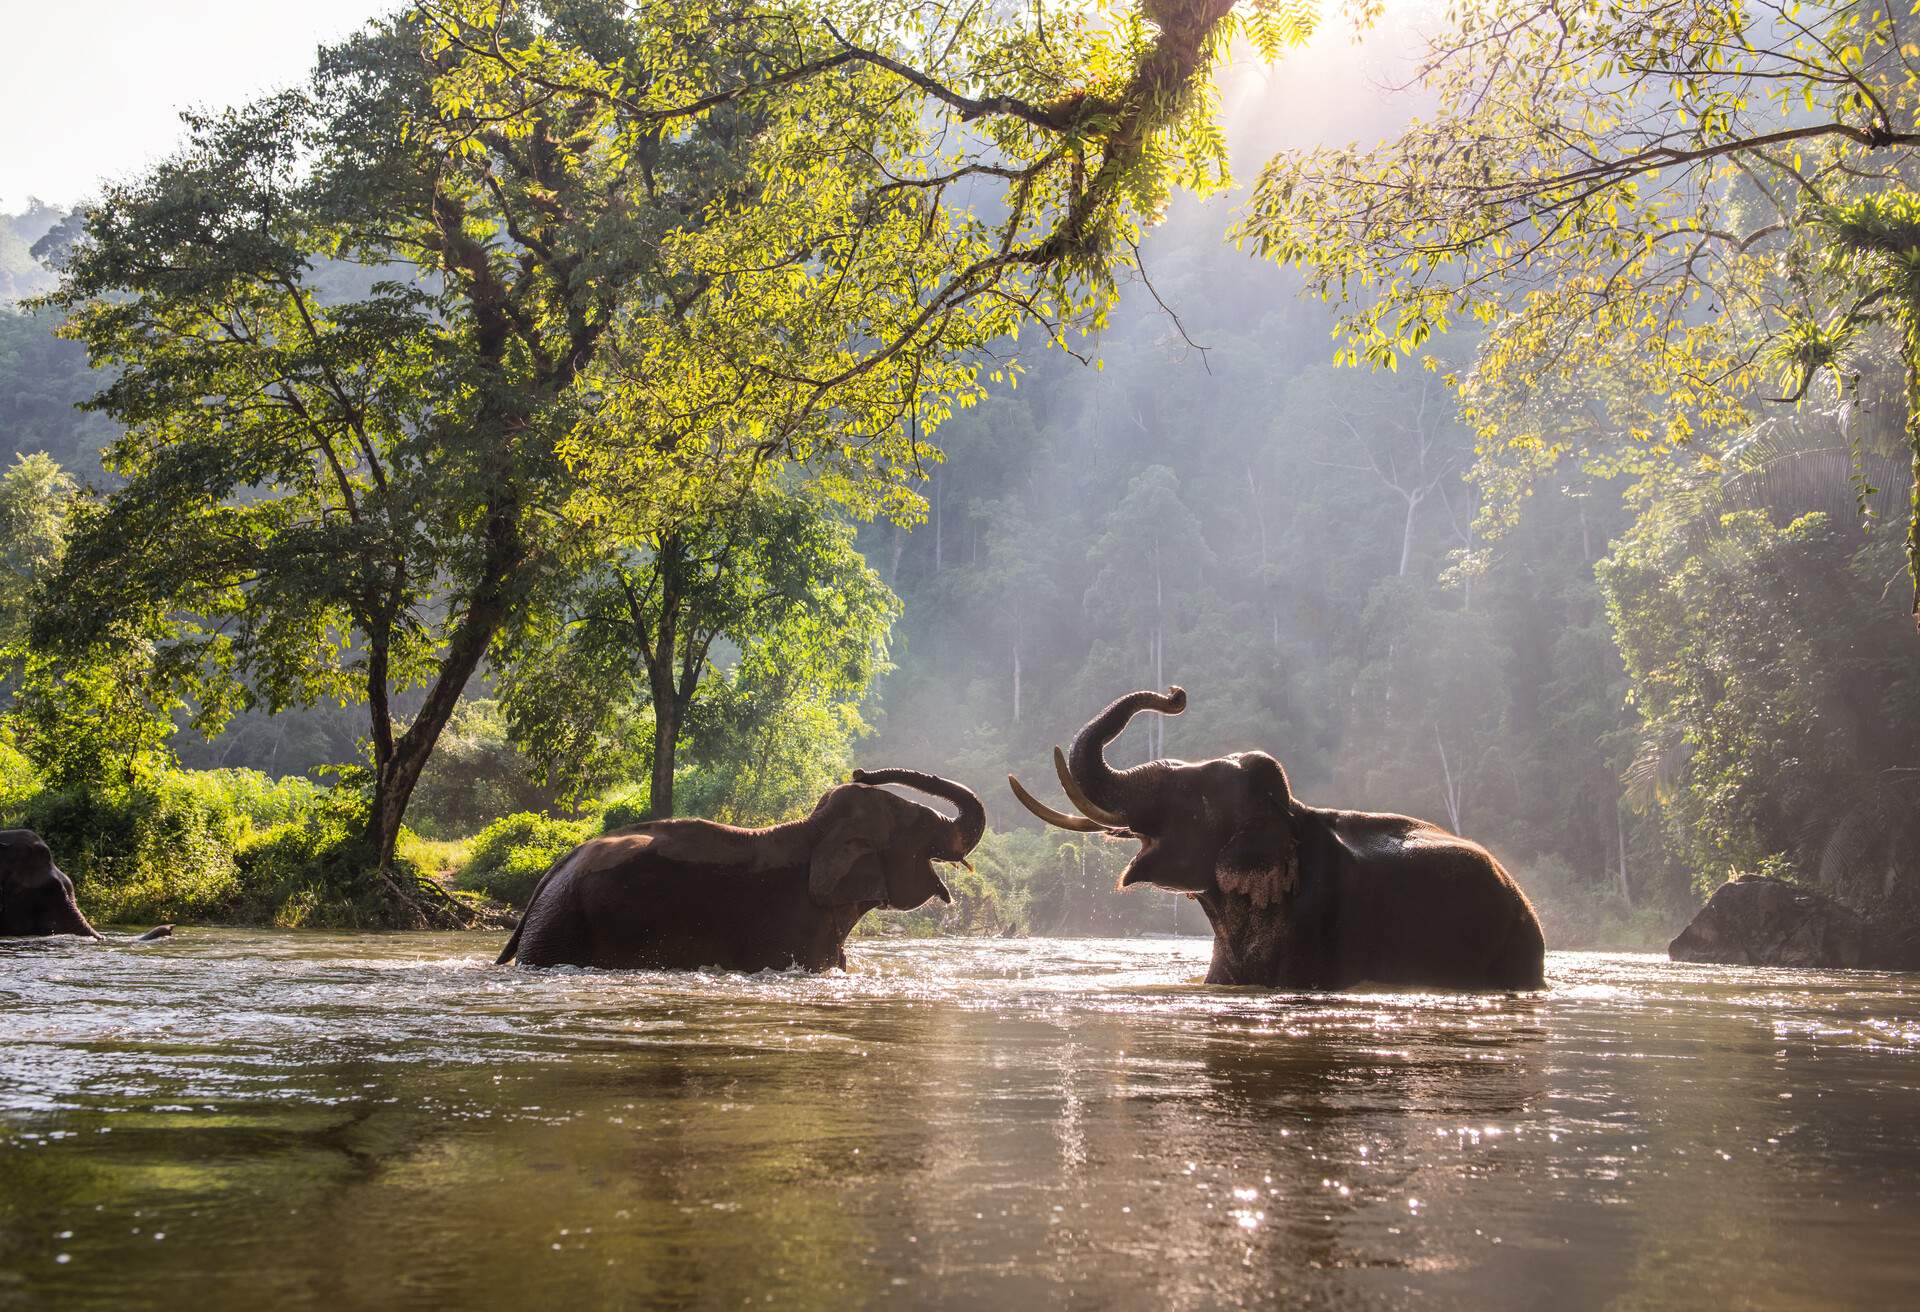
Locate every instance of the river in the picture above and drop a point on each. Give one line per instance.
(250, 1119)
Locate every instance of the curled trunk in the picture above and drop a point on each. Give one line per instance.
(968, 826)
(1122, 792)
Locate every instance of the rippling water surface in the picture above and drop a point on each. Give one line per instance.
(250, 1119)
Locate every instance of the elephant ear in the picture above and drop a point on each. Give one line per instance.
(1260, 862)
(846, 869)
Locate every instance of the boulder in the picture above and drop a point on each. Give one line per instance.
(1757, 920)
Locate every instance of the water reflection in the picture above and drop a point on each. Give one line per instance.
(235, 1118)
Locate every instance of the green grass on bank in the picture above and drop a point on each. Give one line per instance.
(214, 846)
(237, 847)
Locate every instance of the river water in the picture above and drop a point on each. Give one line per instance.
(256, 1119)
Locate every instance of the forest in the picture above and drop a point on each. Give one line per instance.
(1097, 654)
(243, 688)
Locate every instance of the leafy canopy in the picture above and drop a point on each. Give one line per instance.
(1634, 201)
(752, 634)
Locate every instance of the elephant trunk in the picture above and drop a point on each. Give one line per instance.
(1124, 792)
(968, 826)
(76, 920)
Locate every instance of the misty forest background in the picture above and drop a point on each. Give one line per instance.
(1628, 697)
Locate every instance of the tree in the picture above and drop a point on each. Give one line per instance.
(639, 633)
(1152, 559)
(1777, 700)
(1664, 214)
(83, 725)
(1401, 435)
(36, 496)
(1014, 155)
(626, 254)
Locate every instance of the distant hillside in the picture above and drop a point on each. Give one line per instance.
(42, 379)
(20, 274)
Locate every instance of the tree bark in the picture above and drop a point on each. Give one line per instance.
(1016, 679)
(660, 682)
(1620, 835)
(398, 762)
(666, 733)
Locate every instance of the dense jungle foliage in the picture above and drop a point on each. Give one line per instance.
(1630, 678)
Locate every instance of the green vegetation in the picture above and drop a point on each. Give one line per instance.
(529, 431)
(500, 280)
(1686, 239)
(506, 859)
(1662, 215)
(1779, 695)
(215, 845)
(624, 646)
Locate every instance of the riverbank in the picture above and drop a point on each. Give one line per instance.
(235, 847)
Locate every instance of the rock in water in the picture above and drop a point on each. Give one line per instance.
(1759, 921)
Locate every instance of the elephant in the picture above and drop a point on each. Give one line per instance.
(36, 897)
(1300, 897)
(690, 894)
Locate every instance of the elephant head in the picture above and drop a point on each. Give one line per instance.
(1205, 827)
(873, 847)
(36, 897)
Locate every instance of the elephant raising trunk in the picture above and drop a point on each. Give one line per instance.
(1115, 794)
(967, 827)
(1299, 896)
(1110, 801)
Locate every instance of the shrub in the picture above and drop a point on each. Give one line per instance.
(313, 870)
(510, 855)
(18, 780)
(475, 775)
(160, 849)
(624, 808)
(151, 852)
(206, 845)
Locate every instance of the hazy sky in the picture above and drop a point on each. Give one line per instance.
(93, 88)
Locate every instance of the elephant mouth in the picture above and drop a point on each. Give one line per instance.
(1132, 874)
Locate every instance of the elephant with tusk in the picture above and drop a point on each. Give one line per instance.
(688, 894)
(1299, 896)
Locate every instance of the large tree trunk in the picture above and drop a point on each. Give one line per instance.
(1620, 836)
(666, 732)
(660, 665)
(398, 762)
